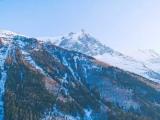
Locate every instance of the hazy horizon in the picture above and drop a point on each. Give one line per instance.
(123, 25)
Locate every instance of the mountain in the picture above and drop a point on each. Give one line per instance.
(41, 81)
(85, 43)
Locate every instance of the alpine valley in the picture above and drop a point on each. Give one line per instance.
(75, 77)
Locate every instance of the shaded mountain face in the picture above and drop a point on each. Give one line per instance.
(41, 81)
(86, 44)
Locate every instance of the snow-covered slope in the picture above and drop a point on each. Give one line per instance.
(149, 57)
(85, 43)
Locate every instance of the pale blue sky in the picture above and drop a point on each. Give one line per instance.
(121, 24)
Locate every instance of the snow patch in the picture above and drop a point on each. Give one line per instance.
(88, 113)
(29, 59)
(58, 115)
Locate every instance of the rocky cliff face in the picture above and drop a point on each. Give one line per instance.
(41, 81)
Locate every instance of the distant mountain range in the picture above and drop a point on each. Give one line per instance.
(61, 80)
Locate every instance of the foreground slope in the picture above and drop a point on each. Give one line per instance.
(45, 82)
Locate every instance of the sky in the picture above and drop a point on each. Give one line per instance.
(124, 25)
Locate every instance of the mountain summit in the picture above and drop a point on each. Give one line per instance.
(81, 42)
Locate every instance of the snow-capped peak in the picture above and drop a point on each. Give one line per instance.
(81, 42)
(71, 37)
